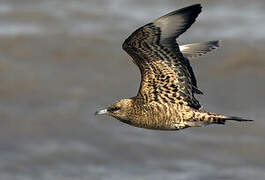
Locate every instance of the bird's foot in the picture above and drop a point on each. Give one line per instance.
(180, 126)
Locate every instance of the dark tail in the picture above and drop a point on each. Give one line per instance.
(234, 118)
(212, 118)
(222, 120)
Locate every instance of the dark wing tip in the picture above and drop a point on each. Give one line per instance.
(173, 24)
(195, 8)
(216, 43)
(191, 12)
(211, 45)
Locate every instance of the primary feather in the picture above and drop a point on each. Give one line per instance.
(198, 49)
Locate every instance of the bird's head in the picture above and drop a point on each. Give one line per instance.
(121, 110)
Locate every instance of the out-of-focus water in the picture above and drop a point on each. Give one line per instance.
(61, 60)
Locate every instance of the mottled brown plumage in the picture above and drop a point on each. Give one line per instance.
(165, 99)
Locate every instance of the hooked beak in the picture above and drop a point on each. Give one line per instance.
(100, 112)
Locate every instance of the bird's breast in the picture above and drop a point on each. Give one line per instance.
(156, 116)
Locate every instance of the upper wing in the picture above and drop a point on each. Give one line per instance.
(166, 75)
(198, 49)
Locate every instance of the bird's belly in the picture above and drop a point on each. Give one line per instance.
(161, 119)
(152, 124)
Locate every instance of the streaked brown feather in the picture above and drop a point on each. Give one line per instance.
(166, 75)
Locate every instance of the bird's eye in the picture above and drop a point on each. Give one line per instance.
(115, 109)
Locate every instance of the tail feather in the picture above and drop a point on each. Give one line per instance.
(222, 119)
(234, 118)
(199, 118)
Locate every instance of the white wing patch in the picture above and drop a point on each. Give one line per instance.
(183, 48)
(198, 49)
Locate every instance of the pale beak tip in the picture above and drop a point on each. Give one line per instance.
(100, 112)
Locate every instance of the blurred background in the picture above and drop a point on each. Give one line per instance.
(61, 60)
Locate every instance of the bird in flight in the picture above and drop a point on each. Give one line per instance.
(165, 99)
